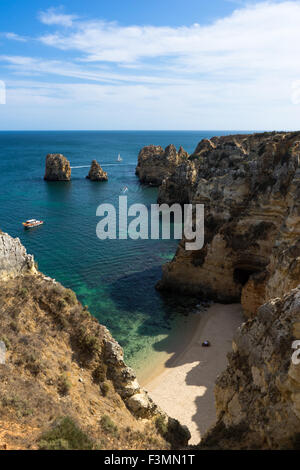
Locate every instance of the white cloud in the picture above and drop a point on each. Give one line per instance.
(253, 37)
(54, 16)
(14, 37)
(236, 73)
(30, 65)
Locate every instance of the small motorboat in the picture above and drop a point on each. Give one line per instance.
(32, 223)
(119, 159)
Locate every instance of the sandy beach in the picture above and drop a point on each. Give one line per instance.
(183, 385)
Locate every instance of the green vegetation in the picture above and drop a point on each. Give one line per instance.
(62, 304)
(88, 342)
(161, 425)
(5, 341)
(63, 385)
(33, 364)
(20, 407)
(70, 297)
(99, 373)
(65, 435)
(24, 292)
(105, 388)
(108, 426)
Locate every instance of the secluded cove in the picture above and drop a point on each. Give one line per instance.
(115, 278)
(183, 383)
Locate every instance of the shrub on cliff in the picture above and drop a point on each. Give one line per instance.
(65, 435)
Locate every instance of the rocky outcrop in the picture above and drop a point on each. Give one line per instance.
(155, 163)
(249, 185)
(258, 395)
(57, 168)
(137, 399)
(96, 173)
(56, 361)
(126, 383)
(14, 259)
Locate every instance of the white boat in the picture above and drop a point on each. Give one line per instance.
(119, 159)
(32, 223)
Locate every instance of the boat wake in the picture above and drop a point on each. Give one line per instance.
(81, 166)
(105, 164)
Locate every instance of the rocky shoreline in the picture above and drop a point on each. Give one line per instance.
(250, 186)
(57, 353)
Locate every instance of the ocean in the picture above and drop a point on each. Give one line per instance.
(114, 278)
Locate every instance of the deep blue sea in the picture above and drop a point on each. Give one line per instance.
(114, 278)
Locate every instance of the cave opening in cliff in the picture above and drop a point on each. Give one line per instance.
(241, 275)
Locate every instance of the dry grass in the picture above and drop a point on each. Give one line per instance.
(54, 361)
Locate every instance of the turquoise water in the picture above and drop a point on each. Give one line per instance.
(115, 278)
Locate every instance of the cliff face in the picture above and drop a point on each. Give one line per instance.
(57, 168)
(155, 163)
(250, 187)
(62, 374)
(96, 173)
(14, 259)
(258, 396)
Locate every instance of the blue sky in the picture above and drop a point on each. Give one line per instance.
(193, 64)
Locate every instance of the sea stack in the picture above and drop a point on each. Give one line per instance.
(155, 164)
(96, 173)
(57, 168)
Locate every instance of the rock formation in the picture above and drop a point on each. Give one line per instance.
(14, 259)
(155, 163)
(250, 187)
(96, 173)
(57, 168)
(64, 372)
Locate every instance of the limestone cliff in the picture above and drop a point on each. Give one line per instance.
(96, 173)
(57, 168)
(14, 259)
(155, 163)
(63, 380)
(258, 396)
(249, 185)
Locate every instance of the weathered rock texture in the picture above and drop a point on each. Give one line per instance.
(155, 163)
(57, 168)
(60, 362)
(96, 173)
(14, 259)
(258, 396)
(250, 187)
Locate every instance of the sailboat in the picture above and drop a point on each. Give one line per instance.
(119, 159)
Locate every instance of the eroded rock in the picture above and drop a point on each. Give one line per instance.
(96, 173)
(249, 185)
(155, 163)
(14, 259)
(257, 397)
(57, 168)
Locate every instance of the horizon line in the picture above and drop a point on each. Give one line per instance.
(148, 130)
